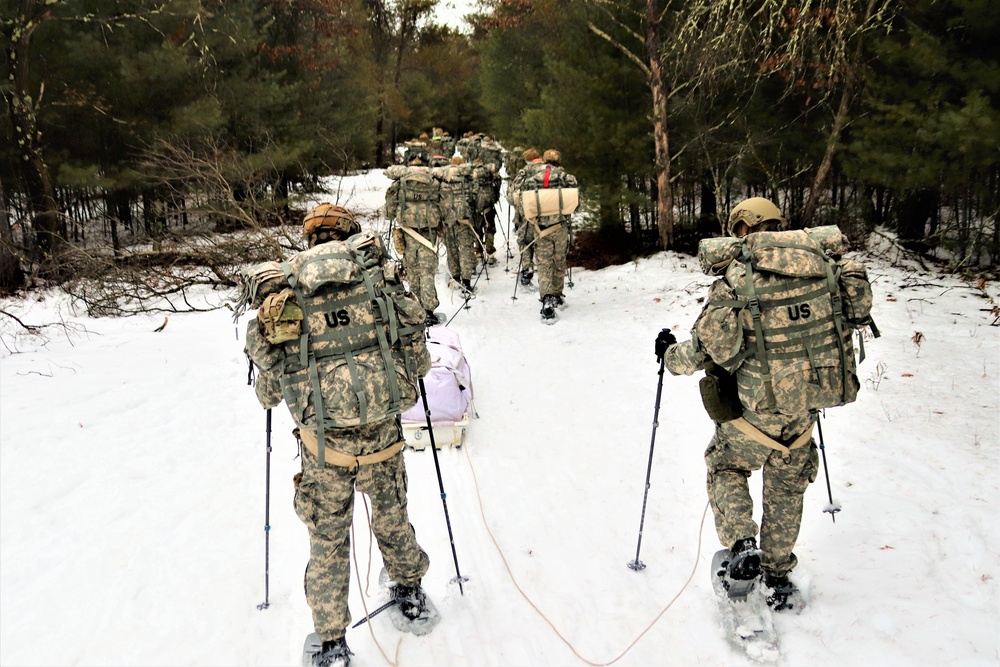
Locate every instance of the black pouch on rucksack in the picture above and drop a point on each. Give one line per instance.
(720, 395)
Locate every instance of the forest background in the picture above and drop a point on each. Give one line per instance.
(136, 132)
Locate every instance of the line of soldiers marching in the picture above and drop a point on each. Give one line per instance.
(440, 197)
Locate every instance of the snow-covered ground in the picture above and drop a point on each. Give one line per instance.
(132, 490)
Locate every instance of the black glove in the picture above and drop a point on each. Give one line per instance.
(663, 342)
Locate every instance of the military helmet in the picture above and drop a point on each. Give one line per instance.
(327, 222)
(552, 156)
(530, 155)
(753, 212)
(458, 159)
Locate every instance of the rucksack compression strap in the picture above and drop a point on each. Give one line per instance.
(308, 358)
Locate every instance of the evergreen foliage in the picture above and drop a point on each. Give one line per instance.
(132, 120)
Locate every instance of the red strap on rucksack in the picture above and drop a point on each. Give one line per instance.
(545, 181)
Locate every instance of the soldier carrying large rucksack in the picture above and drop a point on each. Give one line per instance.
(413, 202)
(546, 195)
(457, 196)
(775, 340)
(341, 342)
(486, 192)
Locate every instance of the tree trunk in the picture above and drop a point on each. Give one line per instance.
(832, 142)
(11, 273)
(839, 121)
(661, 137)
(23, 110)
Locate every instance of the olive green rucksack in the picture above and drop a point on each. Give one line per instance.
(783, 318)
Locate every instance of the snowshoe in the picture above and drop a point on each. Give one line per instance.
(413, 612)
(318, 653)
(560, 301)
(432, 319)
(526, 277)
(468, 291)
(782, 594)
(746, 619)
(491, 260)
(549, 309)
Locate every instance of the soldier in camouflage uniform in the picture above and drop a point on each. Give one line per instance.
(525, 231)
(417, 235)
(366, 458)
(447, 144)
(732, 455)
(459, 237)
(486, 187)
(552, 232)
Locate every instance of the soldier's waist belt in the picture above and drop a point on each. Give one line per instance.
(333, 457)
(755, 434)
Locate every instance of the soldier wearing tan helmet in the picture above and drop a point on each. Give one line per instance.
(548, 195)
(412, 202)
(771, 339)
(349, 432)
(327, 223)
(756, 214)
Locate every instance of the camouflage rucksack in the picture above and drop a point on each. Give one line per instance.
(486, 184)
(412, 199)
(783, 317)
(359, 349)
(456, 191)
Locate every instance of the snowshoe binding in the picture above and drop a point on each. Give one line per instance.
(432, 319)
(526, 276)
(468, 291)
(782, 594)
(740, 569)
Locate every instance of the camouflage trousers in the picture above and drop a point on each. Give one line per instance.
(731, 457)
(485, 223)
(550, 256)
(461, 245)
(324, 501)
(525, 235)
(421, 264)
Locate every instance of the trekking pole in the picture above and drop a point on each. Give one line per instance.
(638, 564)
(517, 276)
(506, 236)
(267, 520)
(832, 508)
(510, 253)
(570, 225)
(375, 613)
(444, 502)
